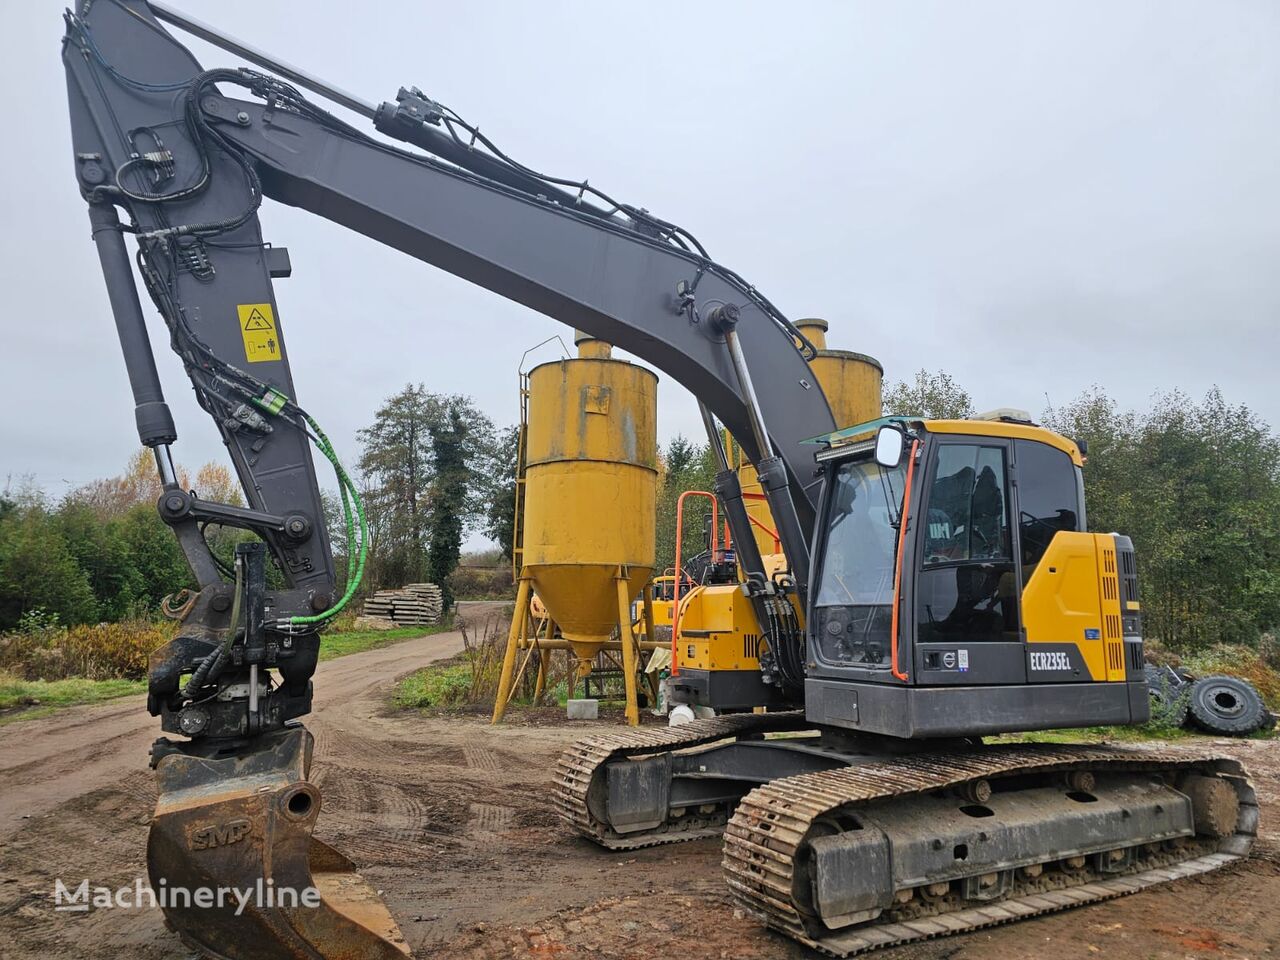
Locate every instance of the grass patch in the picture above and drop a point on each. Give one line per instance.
(453, 683)
(357, 641)
(445, 684)
(469, 680)
(22, 699)
(1140, 734)
(1097, 735)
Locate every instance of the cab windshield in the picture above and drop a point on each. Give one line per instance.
(855, 590)
(862, 535)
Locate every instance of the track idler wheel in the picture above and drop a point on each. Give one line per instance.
(240, 825)
(1215, 806)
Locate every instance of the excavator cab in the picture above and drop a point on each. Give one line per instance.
(954, 580)
(954, 592)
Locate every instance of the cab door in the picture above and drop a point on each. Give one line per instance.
(1062, 602)
(967, 592)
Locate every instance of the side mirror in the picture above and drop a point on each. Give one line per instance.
(890, 442)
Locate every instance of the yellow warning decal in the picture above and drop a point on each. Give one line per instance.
(258, 327)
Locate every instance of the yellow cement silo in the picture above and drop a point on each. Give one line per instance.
(587, 505)
(852, 383)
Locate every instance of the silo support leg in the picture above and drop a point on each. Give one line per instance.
(655, 691)
(518, 618)
(544, 659)
(630, 660)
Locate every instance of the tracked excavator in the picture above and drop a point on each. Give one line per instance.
(939, 583)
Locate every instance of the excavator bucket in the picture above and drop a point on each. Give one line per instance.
(233, 863)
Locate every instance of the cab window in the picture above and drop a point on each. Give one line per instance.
(966, 591)
(968, 506)
(1048, 498)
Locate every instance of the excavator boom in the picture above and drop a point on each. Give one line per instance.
(181, 158)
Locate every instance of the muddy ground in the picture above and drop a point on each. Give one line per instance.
(452, 820)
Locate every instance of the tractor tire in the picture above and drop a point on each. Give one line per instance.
(1170, 699)
(1226, 705)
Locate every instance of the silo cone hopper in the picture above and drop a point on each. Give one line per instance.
(585, 512)
(583, 600)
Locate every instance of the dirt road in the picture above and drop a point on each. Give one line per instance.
(81, 749)
(452, 820)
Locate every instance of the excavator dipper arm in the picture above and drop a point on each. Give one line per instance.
(188, 155)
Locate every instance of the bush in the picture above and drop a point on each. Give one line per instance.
(482, 583)
(1269, 650)
(1158, 655)
(345, 622)
(471, 679)
(38, 570)
(101, 652)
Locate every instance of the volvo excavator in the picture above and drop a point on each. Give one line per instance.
(939, 584)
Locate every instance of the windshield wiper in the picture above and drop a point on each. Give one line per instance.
(886, 487)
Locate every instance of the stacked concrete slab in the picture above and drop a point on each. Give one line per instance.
(415, 604)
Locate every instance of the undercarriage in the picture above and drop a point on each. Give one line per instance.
(847, 844)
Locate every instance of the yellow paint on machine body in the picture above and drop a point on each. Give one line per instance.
(663, 604)
(1073, 596)
(590, 489)
(719, 630)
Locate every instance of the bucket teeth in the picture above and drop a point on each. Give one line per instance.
(233, 863)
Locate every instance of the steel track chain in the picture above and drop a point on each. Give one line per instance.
(580, 764)
(770, 824)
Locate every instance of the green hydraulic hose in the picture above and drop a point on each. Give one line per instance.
(273, 402)
(350, 496)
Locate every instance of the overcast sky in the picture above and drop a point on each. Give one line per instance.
(1033, 196)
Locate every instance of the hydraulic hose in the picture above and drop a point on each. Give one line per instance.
(898, 673)
(350, 498)
(209, 668)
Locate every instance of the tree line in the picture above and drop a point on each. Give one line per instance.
(1195, 483)
(101, 552)
(432, 469)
